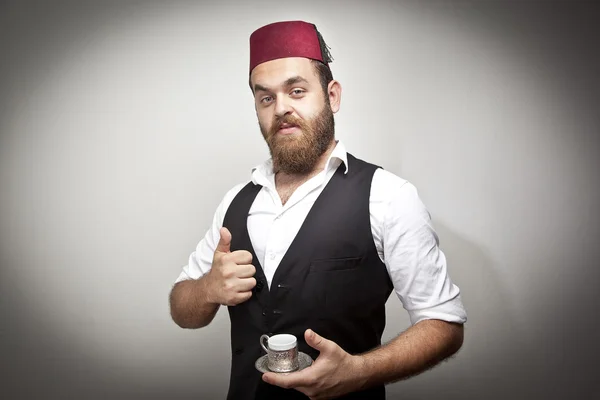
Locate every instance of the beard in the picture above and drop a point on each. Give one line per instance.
(298, 153)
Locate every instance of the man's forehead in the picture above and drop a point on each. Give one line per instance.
(277, 72)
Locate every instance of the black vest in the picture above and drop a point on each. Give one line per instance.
(331, 280)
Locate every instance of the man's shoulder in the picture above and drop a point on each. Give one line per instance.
(381, 175)
(238, 187)
(387, 185)
(230, 195)
(389, 178)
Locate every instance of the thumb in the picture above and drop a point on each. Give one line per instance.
(225, 241)
(317, 341)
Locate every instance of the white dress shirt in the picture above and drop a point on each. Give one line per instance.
(400, 224)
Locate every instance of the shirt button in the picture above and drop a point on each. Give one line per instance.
(272, 256)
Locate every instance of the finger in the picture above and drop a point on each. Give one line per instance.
(246, 285)
(289, 381)
(240, 257)
(224, 241)
(245, 271)
(318, 342)
(242, 297)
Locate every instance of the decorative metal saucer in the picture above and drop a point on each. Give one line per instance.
(304, 361)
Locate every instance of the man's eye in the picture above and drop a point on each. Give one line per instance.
(266, 99)
(297, 91)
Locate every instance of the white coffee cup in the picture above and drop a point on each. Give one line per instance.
(282, 352)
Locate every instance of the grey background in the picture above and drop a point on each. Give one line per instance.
(123, 124)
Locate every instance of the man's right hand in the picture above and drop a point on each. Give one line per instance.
(231, 278)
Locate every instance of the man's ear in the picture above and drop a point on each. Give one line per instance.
(334, 94)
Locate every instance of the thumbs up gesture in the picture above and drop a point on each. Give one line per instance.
(231, 277)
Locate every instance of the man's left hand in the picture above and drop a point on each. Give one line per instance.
(333, 374)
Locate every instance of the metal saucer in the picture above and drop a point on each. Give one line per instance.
(304, 361)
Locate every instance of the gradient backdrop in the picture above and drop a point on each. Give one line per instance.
(123, 123)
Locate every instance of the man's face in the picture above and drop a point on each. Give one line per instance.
(293, 112)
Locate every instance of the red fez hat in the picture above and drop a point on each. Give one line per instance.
(287, 39)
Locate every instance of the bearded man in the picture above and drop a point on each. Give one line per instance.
(314, 244)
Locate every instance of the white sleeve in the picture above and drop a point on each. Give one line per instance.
(200, 261)
(411, 253)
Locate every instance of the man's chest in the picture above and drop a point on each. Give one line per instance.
(273, 227)
(285, 192)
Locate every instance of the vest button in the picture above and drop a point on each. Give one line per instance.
(264, 312)
(259, 285)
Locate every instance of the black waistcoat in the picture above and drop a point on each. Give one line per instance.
(331, 280)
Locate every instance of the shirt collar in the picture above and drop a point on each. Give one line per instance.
(263, 173)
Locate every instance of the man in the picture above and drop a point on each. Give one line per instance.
(314, 244)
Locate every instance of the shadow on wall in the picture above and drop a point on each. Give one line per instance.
(490, 363)
(504, 356)
(42, 362)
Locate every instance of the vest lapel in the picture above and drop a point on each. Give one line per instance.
(240, 208)
(284, 265)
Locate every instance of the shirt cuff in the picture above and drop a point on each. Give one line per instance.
(450, 311)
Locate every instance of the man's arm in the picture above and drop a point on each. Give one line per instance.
(417, 349)
(417, 267)
(230, 281)
(336, 372)
(199, 290)
(190, 306)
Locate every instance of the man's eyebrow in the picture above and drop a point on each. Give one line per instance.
(293, 80)
(258, 87)
(288, 82)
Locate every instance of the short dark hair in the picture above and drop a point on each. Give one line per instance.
(324, 74)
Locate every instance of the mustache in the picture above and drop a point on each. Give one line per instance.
(278, 122)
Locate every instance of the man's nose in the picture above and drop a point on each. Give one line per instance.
(282, 106)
